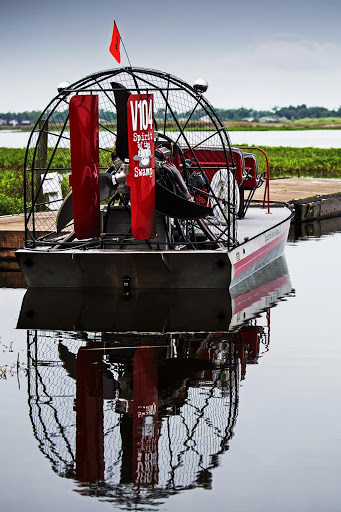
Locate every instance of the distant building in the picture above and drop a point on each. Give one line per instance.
(25, 121)
(2, 122)
(205, 119)
(13, 122)
(272, 119)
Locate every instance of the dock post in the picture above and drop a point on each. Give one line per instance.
(41, 162)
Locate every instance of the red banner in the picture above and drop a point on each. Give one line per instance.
(84, 179)
(114, 47)
(89, 416)
(145, 404)
(141, 177)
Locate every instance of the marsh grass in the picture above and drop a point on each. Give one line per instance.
(283, 162)
(301, 162)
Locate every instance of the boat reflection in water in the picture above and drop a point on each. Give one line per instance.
(137, 415)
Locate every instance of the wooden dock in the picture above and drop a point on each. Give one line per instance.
(310, 198)
(286, 190)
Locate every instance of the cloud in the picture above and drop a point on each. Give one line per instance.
(278, 69)
(294, 53)
(279, 52)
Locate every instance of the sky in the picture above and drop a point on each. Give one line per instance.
(254, 54)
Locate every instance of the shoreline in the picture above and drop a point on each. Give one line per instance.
(231, 126)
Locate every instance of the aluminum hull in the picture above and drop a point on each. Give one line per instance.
(261, 240)
(155, 311)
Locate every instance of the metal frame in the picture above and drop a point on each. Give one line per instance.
(172, 93)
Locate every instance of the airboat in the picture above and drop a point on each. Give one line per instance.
(131, 182)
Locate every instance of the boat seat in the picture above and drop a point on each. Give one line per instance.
(238, 157)
(253, 180)
(209, 159)
(212, 159)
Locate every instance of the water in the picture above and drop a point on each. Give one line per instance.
(299, 138)
(13, 139)
(223, 435)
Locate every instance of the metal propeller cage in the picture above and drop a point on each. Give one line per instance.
(183, 117)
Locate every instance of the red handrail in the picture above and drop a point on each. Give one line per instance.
(267, 185)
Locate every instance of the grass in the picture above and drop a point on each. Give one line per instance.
(11, 180)
(301, 162)
(283, 162)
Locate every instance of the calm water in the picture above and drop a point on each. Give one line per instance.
(242, 421)
(300, 138)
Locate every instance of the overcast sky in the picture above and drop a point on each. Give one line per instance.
(256, 54)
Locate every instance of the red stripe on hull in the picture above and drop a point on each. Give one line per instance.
(247, 299)
(245, 263)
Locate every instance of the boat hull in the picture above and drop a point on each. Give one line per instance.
(259, 251)
(157, 311)
(168, 269)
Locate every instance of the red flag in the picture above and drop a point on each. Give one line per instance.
(115, 44)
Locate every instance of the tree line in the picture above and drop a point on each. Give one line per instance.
(291, 113)
(19, 117)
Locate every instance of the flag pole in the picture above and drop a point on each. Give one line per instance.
(126, 52)
(123, 46)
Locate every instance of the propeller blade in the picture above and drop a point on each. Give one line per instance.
(69, 360)
(65, 213)
(106, 186)
(121, 98)
(169, 204)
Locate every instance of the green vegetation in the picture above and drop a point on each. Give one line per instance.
(301, 162)
(284, 161)
(20, 117)
(12, 175)
(290, 113)
(25, 120)
(11, 180)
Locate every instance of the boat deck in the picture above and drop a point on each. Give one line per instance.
(258, 220)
